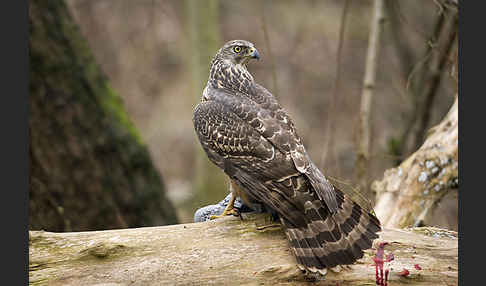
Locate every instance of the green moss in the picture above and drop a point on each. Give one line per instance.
(72, 55)
(113, 104)
(394, 148)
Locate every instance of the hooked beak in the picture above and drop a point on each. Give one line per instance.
(254, 54)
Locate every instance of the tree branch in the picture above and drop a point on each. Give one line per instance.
(363, 148)
(412, 194)
(438, 67)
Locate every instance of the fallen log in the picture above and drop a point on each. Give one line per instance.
(227, 251)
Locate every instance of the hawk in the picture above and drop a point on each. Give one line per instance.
(245, 132)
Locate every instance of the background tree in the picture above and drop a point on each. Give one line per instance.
(89, 168)
(202, 25)
(364, 134)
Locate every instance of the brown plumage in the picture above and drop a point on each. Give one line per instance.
(247, 134)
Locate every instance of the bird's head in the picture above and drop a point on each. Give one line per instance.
(238, 52)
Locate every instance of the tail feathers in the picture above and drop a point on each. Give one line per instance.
(331, 239)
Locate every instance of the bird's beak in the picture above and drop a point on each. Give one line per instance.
(254, 54)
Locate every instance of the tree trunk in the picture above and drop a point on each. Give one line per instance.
(88, 167)
(210, 183)
(364, 134)
(226, 251)
(423, 190)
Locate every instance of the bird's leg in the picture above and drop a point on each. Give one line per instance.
(230, 207)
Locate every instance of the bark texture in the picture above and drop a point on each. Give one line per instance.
(88, 166)
(423, 190)
(227, 251)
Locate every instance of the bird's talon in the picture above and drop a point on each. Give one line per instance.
(212, 217)
(234, 212)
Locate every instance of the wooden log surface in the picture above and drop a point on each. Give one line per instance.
(227, 251)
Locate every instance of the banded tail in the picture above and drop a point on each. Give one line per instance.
(331, 239)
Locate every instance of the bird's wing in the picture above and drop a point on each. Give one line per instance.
(266, 119)
(247, 156)
(278, 128)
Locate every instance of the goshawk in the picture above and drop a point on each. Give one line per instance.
(245, 132)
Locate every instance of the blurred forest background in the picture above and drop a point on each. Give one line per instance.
(153, 56)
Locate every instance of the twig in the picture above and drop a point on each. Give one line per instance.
(401, 42)
(414, 88)
(450, 32)
(406, 22)
(416, 68)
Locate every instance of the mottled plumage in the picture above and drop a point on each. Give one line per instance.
(247, 134)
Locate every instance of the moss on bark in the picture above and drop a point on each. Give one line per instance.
(89, 168)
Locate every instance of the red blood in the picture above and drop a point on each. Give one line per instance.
(379, 260)
(417, 267)
(404, 272)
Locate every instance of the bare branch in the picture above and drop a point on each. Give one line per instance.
(448, 35)
(364, 135)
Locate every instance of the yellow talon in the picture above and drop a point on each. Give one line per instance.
(229, 210)
(225, 213)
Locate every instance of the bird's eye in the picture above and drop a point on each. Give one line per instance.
(237, 49)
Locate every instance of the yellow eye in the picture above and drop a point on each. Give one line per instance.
(237, 49)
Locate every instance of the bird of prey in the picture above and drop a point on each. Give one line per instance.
(245, 132)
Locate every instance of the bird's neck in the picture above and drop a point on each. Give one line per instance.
(227, 75)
